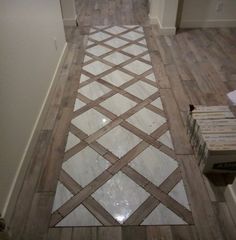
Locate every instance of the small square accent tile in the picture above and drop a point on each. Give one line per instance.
(90, 121)
(99, 36)
(94, 90)
(146, 120)
(117, 78)
(85, 166)
(154, 165)
(96, 68)
(119, 141)
(116, 58)
(118, 104)
(132, 35)
(134, 49)
(116, 42)
(141, 89)
(72, 140)
(138, 67)
(120, 196)
(115, 30)
(98, 50)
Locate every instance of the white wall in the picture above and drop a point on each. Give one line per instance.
(68, 12)
(164, 13)
(208, 13)
(28, 60)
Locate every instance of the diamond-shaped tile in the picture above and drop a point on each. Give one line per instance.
(163, 216)
(79, 217)
(137, 67)
(72, 140)
(132, 35)
(94, 90)
(85, 166)
(134, 49)
(99, 36)
(117, 78)
(118, 104)
(166, 140)
(116, 58)
(98, 50)
(119, 141)
(154, 165)
(120, 196)
(90, 121)
(96, 68)
(78, 104)
(141, 89)
(151, 77)
(158, 103)
(146, 120)
(116, 42)
(115, 30)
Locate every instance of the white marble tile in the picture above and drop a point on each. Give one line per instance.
(116, 42)
(90, 121)
(72, 140)
(80, 217)
(115, 30)
(143, 42)
(96, 68)
(141, 89)
(98, 50)
(89, 43)
(85, 166)
(119, 141)
(137, 67)
(163, 216)
(154, 165)
(146, 57)
(146, 120)
(118, 104)
(94, 90)
(151, 77)
(179, 194)
(130, 26)
(117, 78)
(78, 104)
(99, 36)
(132, 35)
(134, 49)
(158, 103)
(116, 58)
(62, 195)
(140, 29)
(83, 78)
(120, 196)
(166, 139)
(87, 58)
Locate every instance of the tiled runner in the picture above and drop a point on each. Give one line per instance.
(119, 164)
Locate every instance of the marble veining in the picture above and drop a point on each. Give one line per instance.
(137, 67)
(85, 166)
(119, 141)
(120, 196)
(153, 164)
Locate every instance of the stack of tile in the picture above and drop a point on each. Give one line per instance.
(212, 132)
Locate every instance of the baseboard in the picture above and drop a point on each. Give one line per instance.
(162, 30)
(70, 22)
(208, 23)
(25, 160)
(230, 197)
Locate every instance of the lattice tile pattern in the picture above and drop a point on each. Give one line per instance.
(119, 165)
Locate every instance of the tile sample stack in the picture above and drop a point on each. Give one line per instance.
(212, 132)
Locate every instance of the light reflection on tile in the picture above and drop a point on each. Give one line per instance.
(118, 104)
(166, 139)
(116, 58)
(117, 78)
(119, 141)
(163, 216)
(79, 217)
(72, 140)
(94, 90)
(85, 166)
(137, 67)
(90, 121)
(120, 196)
(157, 103)
(154, 165)
(141, 89)
(96, 68)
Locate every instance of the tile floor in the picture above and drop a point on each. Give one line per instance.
(119, 155)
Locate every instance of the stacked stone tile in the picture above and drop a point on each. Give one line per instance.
(212, 132)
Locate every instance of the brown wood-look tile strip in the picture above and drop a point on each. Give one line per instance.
(76, 149)
(160, 232)
(109, 233)
(134, 233)
(84, 233)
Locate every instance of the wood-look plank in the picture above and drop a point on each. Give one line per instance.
(134, 233)
(108, 233)
(83, 233)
